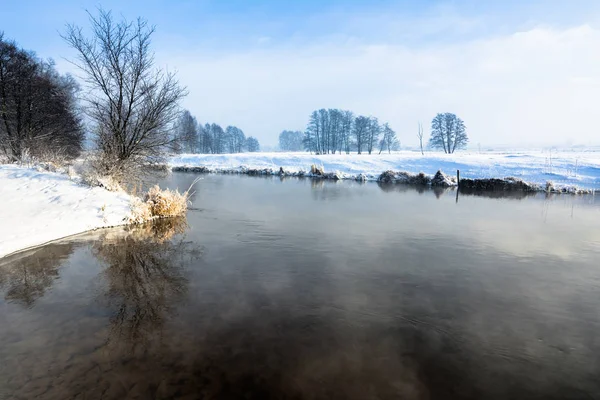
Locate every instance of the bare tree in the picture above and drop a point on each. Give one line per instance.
(361, 130)
(325, 131)
(389, 139)
(252, 144)
(313, 134)
(186, 133)
(236, 139)
(347, 124)
(373, 132)
(132, 103)
(205, 142)
(448, 132)
(420, 136)
(219, 141)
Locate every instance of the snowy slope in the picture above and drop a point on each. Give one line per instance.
(580, 169)
(38, 207)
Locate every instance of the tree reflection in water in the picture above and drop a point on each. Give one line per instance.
(77, 349)
(145, 278)
(27, 278)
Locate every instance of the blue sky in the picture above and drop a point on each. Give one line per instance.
(517, 72)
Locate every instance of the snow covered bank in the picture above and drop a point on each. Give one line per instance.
(564, 169)
(38, 207)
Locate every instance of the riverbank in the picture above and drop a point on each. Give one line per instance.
(570, 172)
(40, 206)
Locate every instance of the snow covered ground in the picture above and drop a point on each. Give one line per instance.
(38, 207)
(565, 168)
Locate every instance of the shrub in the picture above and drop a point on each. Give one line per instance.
(166, 203)
(159, 203)
(140, 212)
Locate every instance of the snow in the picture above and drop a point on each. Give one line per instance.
(563, 168)
(38, 207)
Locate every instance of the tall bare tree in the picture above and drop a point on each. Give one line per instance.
(132, 103)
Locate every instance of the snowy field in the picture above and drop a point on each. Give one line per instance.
(565, 168)
(38, 207)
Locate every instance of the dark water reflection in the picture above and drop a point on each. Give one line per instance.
(314, 290)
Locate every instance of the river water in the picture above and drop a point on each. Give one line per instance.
(302, 289)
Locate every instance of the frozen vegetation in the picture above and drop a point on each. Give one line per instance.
(565, 169)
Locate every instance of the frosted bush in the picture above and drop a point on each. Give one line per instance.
(166, 203)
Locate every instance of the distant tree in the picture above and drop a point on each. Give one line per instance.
(218, 139)
(389, 139)
(291, 141)
(361, 132)
(186, 133)
(204, 139)
(132, 104)
(240, 143)
(329, 131)
(309, 141)
(236, 139)
(252, 144)
(312, 136)
(448, 132)
(373, 132)
(38, 112)
(346, 130)
(325, 131)
(334, 129)
(420, 136)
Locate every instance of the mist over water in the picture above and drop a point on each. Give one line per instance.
(306, 289)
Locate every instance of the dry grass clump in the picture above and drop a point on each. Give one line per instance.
(140, 212)
(159, 203)
(166, 203)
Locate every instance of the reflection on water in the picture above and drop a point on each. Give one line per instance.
(29, 276)
(144, 278)
(264, 293)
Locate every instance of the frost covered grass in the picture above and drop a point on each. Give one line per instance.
(159, 203)
(565, 169)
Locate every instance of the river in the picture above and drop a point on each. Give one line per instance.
(302, 289)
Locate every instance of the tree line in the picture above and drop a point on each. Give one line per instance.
(193, 137)
(332, 131)
(39, 116)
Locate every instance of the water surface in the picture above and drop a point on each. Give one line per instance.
(301, 289)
